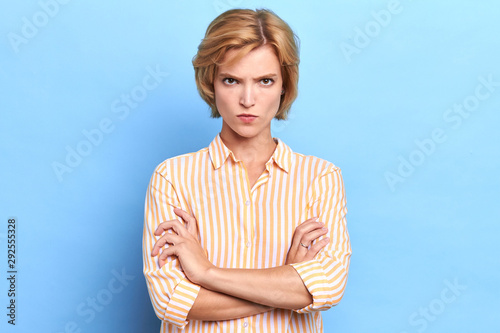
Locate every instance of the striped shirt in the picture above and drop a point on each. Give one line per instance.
(243, 226)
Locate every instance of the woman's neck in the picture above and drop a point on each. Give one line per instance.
(255, 150)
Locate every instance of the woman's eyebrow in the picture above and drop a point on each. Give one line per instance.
(266, 76)
(229, 75)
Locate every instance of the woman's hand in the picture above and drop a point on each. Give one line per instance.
(302, 248)
(183, 243)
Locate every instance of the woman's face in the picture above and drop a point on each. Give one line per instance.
(247, 93)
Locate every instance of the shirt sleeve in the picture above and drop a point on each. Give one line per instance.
(171, 293)
(325, 276)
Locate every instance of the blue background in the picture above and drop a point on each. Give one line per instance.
(423, 215)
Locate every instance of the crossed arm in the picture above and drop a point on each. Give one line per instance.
(234, 293)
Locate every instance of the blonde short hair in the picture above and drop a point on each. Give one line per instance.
(245, 30)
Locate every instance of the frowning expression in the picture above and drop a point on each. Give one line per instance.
(247, 93)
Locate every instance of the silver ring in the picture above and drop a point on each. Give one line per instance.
(304, 245)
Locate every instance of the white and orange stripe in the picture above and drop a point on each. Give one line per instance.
(243, 227)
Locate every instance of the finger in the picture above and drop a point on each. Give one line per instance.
(158, 245)
(181, 213)
(175, 225)
(166, 238)
(164, 226)
(315, 248)
(308, 226)
(189, 220)
(162, 258)
(307, 222)
(302, 249)
(305, 228)
(170, 239)
(308, 238)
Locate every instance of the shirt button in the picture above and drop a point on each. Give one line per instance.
(247, 202)
(245, 324)
(248, 244)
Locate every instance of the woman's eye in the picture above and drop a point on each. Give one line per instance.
(267, 82)
(229, 80)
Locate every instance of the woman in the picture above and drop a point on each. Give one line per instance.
(246, 235)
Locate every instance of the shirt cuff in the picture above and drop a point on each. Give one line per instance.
(181, 302)
(312, 275)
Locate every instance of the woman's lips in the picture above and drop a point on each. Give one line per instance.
(247, 118)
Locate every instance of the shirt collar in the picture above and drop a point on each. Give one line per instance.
(282, 156)
(219, 153)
